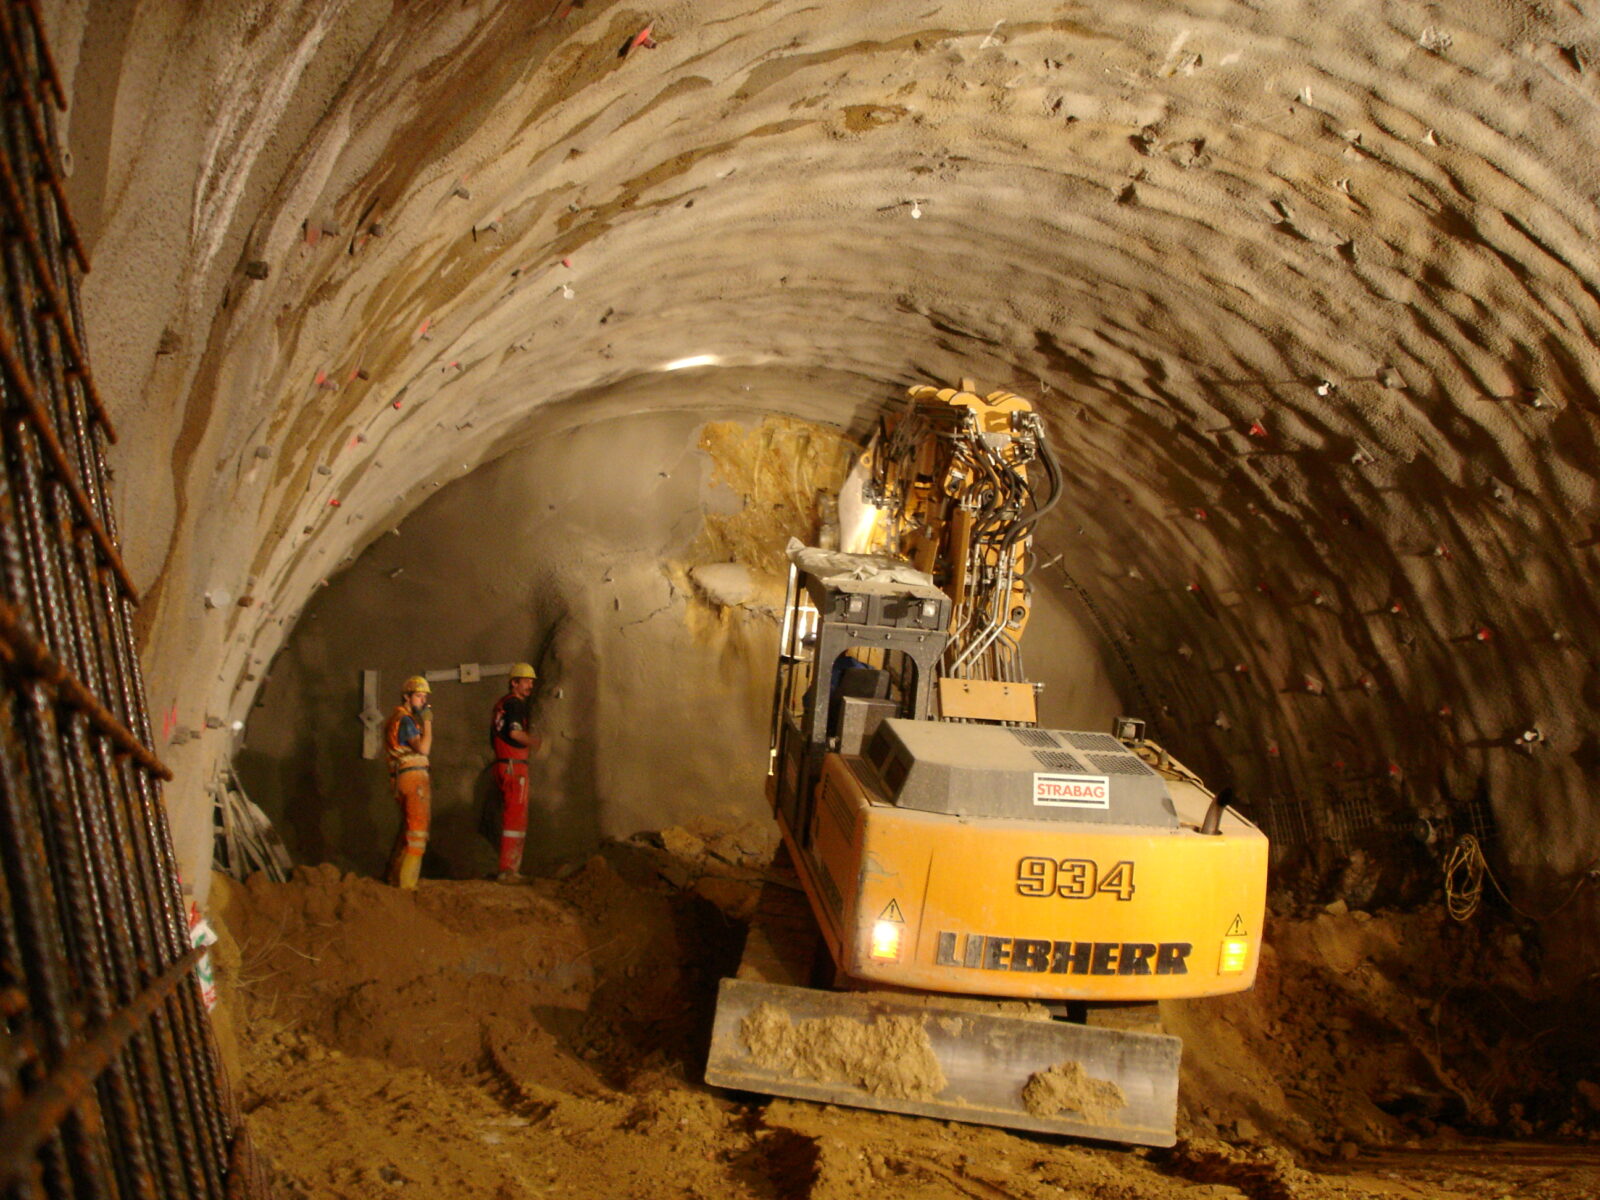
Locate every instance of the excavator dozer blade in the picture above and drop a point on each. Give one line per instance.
(930, 1057)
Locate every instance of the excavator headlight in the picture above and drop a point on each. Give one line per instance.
(1235, 954)
(886, 936)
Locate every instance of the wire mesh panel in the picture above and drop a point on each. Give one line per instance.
(1284, 820)
(109, 1081)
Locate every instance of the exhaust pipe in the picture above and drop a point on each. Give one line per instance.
(1220, 803)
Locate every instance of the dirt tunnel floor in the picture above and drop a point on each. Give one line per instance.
(545, 1040)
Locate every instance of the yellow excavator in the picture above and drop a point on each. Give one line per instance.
(981, 912)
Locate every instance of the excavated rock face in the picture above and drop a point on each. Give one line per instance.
(1306, 291)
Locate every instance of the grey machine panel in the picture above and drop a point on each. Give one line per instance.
(974, 1066)
(1027, 774)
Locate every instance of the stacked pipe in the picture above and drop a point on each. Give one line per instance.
(109, 1081)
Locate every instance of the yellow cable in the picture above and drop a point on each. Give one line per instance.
(1463, 878)
(1464, 871)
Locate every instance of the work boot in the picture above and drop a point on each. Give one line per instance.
(411, 861)
(410, 873)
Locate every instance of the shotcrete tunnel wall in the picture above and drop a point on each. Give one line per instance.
(655, 676)
(1307, 292)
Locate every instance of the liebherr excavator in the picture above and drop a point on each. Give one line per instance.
(983, 888)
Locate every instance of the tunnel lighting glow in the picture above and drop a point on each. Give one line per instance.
(697, 360)
(1235, 953)
(860, 521)
(886, 940)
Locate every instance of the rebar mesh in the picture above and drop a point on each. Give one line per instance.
(111, 1085)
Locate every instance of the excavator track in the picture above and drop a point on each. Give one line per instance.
(783, 941)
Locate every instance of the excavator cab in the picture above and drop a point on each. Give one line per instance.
(861, 643)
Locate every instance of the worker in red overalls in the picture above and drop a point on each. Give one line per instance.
(407, 739)
(512, 739)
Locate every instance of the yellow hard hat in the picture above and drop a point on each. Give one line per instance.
(523, 671)
(416, 684)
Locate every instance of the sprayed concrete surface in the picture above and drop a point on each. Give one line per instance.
(1307, 292)
(637, 563)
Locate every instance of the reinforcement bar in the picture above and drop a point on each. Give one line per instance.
(17, 377)
(110, 1087)
(20, 650)
(26, 1129)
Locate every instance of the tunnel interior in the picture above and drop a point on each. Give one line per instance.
(448, 334)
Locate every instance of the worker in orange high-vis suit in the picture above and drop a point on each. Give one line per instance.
(407, 739)
(512, 739)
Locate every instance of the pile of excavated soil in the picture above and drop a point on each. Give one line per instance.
(545, 1039)
(1399, 1029)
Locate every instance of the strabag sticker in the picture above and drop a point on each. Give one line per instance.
(1071, 791)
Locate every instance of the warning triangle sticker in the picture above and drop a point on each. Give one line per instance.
(892, 913)
(1237, 928)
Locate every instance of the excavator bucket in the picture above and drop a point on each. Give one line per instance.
(933, 1057)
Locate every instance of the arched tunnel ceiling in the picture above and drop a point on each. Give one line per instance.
(1306, 291)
